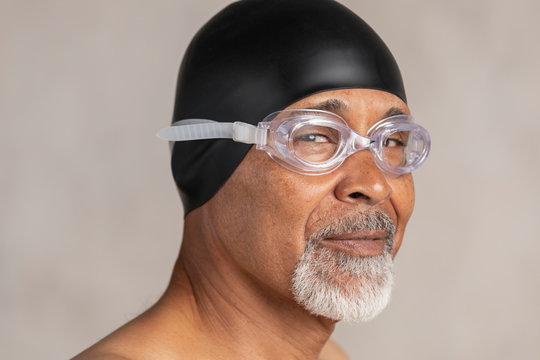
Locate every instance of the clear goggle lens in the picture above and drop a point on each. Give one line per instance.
(317, 144)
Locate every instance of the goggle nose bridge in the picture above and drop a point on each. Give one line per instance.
(360, 142)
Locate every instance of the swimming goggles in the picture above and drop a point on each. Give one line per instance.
(316, 142)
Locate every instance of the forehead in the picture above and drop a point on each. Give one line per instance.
(359, 107)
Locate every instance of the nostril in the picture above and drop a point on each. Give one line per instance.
(358, 195)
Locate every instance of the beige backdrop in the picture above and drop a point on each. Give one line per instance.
(90, 222)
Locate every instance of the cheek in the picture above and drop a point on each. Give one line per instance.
(402, 200)
(264, 209)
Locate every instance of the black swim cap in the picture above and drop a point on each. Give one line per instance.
(259, 56)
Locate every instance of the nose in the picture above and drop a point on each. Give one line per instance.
(363, 182)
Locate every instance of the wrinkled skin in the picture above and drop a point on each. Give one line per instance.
(265, 235)
(230, 297)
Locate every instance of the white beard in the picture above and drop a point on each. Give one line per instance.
(341, 286)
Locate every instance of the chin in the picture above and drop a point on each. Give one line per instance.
(341, 286)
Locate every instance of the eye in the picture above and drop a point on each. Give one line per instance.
(392, 142)
(316, 135)
(317, 138)
(396, 139)
(315, 143)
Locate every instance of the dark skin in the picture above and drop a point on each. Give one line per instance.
(229, 296)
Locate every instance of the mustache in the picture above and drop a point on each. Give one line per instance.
(368, 221)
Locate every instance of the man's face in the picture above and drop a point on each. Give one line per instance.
(264, 214)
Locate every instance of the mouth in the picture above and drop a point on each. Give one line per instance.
(360, 243)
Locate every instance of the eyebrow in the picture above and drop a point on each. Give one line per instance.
(337, 106)
(392, 112)
(332, 105)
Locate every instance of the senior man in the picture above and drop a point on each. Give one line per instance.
(292, 149)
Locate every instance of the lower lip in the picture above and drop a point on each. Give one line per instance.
(357, 247)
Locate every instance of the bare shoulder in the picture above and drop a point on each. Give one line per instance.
(332, 351)
(147, 336)
(99, 356)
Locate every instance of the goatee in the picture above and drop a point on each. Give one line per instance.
(343, 286)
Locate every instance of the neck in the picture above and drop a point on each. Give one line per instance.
(232, 310)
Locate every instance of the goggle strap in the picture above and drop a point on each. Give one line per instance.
(189, 129)
(200, 129)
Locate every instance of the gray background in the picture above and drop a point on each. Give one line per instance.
(90, 222)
